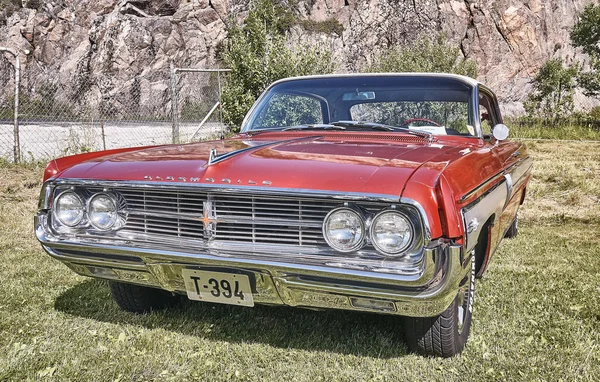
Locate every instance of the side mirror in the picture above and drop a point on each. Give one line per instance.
(500, 132)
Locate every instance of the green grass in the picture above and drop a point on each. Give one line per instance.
(537, 311)
(546, 131)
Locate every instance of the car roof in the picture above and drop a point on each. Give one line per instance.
(464, 79)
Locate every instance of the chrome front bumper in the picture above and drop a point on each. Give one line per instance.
(422, 292)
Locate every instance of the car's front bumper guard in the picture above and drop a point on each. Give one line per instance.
(427, 292)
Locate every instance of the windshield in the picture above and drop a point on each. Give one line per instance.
(437, 105)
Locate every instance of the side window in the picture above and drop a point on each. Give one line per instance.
(285, 110)
(487, 115)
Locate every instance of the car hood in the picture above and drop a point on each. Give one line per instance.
(322, 162)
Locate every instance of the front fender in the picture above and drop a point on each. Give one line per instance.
(57, 166)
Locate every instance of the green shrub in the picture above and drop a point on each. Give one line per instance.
(553, 90)
(424, 55)
(329, 26)
(586, 34)
(595, 113)
(258, 54)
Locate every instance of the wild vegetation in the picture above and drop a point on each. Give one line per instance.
(555, 84)
(553, 90)
(586, 35)
(250, 52)
(537, 311)
(424, 55)
(258, 54)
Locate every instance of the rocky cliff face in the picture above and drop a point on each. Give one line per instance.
(118, 41)
(508, 39)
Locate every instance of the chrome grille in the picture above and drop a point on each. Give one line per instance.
(179, 215)
(257, 219)
(260, 219)
(161, 213)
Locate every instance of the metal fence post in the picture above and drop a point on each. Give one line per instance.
(174, 104)
(220, 104)
(17, 66)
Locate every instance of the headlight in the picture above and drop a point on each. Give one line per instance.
(391, 232)
(102, 211)
(344, 230)
(69, 209)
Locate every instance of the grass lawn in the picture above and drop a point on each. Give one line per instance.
(536, 317)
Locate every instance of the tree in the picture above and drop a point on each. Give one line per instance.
(553, 90)
(586, 35)
(258, 54)
(424, 55)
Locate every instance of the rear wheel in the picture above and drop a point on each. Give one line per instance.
(444, 335)
(139, 299)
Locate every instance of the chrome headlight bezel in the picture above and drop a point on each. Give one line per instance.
(115, 218)
(362, 225)
(87, 223)
(55, 209)
(405, 247)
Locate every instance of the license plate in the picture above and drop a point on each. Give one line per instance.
(224, 288)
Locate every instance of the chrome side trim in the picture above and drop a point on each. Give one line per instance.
(516, 171)
(520, 169)
(483, 185)
(509, 187)
(491, 203)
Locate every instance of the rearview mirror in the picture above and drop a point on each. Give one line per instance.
(500, 132)
(358, 96)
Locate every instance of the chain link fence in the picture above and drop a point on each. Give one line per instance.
(97, 112)
(9, 102)
(60, 116)
(197, 95)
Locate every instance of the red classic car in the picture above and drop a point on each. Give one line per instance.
(384, 193)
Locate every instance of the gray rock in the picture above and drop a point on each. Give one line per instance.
(91, 40)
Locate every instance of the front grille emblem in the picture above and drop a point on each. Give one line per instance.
(208, 219)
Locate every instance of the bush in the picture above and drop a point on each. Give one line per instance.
(586, 34)
(424, 55)
(553, 90)
(329, 26)
(258, 54)
(595, 113)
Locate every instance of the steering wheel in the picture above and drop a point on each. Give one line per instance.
(409, 121)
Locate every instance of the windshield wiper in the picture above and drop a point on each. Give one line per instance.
(297, 128)
(361, 124)
(317, 126)
(382, 127)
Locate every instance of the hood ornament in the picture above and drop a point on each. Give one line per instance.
(215, 157)
(212, 157)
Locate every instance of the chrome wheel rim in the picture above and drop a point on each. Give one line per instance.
(465, 296)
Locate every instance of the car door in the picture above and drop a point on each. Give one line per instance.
(513, 156)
